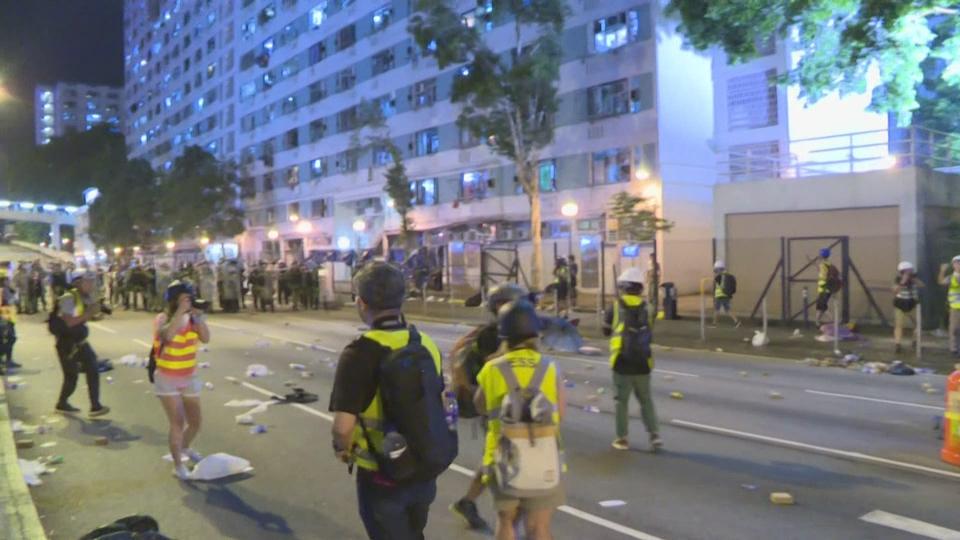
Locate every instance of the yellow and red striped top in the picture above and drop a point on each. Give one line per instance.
(177, 357)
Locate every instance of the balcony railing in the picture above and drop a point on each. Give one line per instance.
(846, 153)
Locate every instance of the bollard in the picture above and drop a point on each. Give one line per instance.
(918, 331)
(765, 316)
(951, 420)
(703, 309)
(806, 307)
(836, 327)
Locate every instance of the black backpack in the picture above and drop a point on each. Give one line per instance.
(411, 392)
(58, 327)
(729, 285)
(636, 337)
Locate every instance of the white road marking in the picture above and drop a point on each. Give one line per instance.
(596, 520)
(846, 454)
(99, 326)
(141, 342)
(224, 326)
(877, 400)
(910, 525)
(300, 343)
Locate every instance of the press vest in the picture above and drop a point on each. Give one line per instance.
(373, 415)
(718, 286)
(494, 386)
(616, 339)
(178, 356)
(953, 294)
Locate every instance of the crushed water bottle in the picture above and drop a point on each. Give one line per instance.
(451, 410)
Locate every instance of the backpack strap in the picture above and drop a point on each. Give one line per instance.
(539, 373)
(414, 336)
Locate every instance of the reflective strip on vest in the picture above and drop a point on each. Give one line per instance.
(718, 287)
(179, 355)
(822, 277)
(373, 415)
(953, 294)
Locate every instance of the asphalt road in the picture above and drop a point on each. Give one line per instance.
(850, 447)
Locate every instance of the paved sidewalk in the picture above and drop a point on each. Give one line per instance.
(18, 515)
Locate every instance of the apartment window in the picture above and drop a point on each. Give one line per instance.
(293, 176)
(617, 30)
(318, 128)
(347, 161)
(383, 61)
(424, 93)
(248, 28)
(381, 18)
(211, 70)
(346, 37)
(289, 104)
(424, 192)
(248, 90)
(608, 99)
(293, 211)
(318, 51)
(381, 155)
(318, 14)
(347, 119)
(318, 167)
(346, 79)
(319, 208)
(467, 138)
(752, 101)
(268, 186)
(267, 45)
(387, 105)
(267, 14)
(428, 142)
(547, 175)
(480, 17)
(211, 45)
(318, 91)
(473, 185)
(291, 139)
(753, 161)
(611, 166)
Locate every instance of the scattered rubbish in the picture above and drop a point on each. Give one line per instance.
(104, 365)
(234, 380)
(16, 426)
(54, 460)
(245, 419)
(138, 381)
(718, 349)
(613, 503)
(669, 378)
(257, 429)
(297, 396)
(305, 375)
(925, 386)
(298, 367)
(781, 497)
(592, 409)
(923, 371)
(759, 339)
(208, 385)
(748, 487)
(48, 444)
(101, 441)
(796, 334)
(261, 344)
(744, 374)
(109, 379)
(676, 395)
(568, 383)
(31, 470)
(851, 358)
(846, 333)
(875, 368)
(931, 390)
(14, 385)
(899, 368)
(258, 370)
(590, 351)
(203, 365)
(220, 465)
(131, 360)
(775, 395)
(23, 444)
(601, 390)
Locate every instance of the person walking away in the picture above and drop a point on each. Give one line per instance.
(8, 324)
(629, 325)
(284, 284)
(295, 282)
(469, 355)
(561, 282)
(952, 282)
(176, 333)
(374, 388)
(521, 394)
(906, 296)
(828, 284)
(269, 289)
(68, 323)
(574, 279)
(724, 287)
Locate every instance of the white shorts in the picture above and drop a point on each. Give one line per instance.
(167, 385)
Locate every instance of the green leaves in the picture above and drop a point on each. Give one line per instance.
(635, 221)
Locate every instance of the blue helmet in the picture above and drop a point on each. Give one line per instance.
(825, 253)
(176, 288)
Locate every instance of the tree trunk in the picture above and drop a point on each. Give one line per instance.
(536, 266)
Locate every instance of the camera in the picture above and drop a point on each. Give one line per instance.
(199, 303)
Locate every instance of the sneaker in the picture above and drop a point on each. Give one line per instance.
(656, 442)
(193, 455)
(99, 410)
(467, 510)
(620, 444)
(66, 408)
(181, 472)
(12, 364)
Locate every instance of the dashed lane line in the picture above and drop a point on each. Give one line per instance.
(875, 400)
(910, 525)
(99, 326)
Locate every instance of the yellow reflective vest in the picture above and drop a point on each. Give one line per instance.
(616, 339)
(953, 293)
(373, 415)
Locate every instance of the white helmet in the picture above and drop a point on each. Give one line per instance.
(631, 275)
(956, 258)
(904, 266)
(719, 265)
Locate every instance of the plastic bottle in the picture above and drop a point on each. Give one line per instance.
(451, 410)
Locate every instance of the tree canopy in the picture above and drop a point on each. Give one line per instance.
(914, 44)
(635, 220)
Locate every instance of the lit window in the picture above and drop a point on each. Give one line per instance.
(608, 99)
(268, 45)
(387, 105)
(381, 18)
(615, 31)
(473, 185)
(318, 14)
(611, 166)
(381, 155)
(428, 142)
(424, 93)
(318, 167)
(423, 192)
(547, 172)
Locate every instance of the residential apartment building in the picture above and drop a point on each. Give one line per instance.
(64, 107)
(279, 85)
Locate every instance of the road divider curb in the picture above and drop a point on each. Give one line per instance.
(19, 519)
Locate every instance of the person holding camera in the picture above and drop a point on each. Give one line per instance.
(173, 369)
(68, 323)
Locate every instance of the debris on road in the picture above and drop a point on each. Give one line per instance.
(257, 429)
(759, 339)
(101, 441)
(899, 368)
(31, 470)
(298, 367)
(749, 487)
(132, 360)
(796, 334)
(775, 395)
(718, 349)
(676, 395)
(590, 351)
(592, 409)
(234, 380)
(306, 375)
(109, 379)
(23, 444)
(567, 383)
(203, 365)
(208, 385)
(601, 390)
(14, 385)
(781, 497)
(931, 390)
(219, 465)
(48, 444)
(258, 370)
(612, 503)
(245, 419)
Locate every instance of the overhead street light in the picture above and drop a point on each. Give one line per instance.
(273, 234)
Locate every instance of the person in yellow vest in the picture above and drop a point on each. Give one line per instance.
(906, 297)
(828, 283)
(72, 311)
(388, 508)
(8, 324)
(724, 287)
(177, 332)
(519, 328)
(952, 282)
(630, 327)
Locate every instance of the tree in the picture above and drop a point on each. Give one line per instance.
(127, 212)
(841, 40)
(508, 100)
(199, 196)
(635, 220)
(397, 188)
(35, 233)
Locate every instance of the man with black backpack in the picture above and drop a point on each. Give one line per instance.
(724, 287)
(390, 418)
(629, 325)
(828, 283)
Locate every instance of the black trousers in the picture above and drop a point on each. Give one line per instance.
(394, 512)
(8, 336)
(75, 359)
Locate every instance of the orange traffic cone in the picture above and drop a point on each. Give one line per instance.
(951, 420)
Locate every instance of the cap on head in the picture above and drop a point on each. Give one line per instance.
(956, 258)
(518, 321)
(381, 286)
(504, 294)
(904, 266)
(631, 276)
(719, 265)
(176, 288)
(825, 253)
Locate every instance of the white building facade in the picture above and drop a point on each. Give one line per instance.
(65, 107)
(275, 85)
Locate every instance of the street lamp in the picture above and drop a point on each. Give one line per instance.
(570, 211)
(294, 218)
(204, 240)
(359, 226)
(136, 249)
(64, 241)
(304, 227)
(170, 244)
(117, 250)
(642, 174)
(273, 234)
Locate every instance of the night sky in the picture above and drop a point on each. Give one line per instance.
(45, 41)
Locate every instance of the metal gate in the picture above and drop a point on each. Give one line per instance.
(500, 264)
